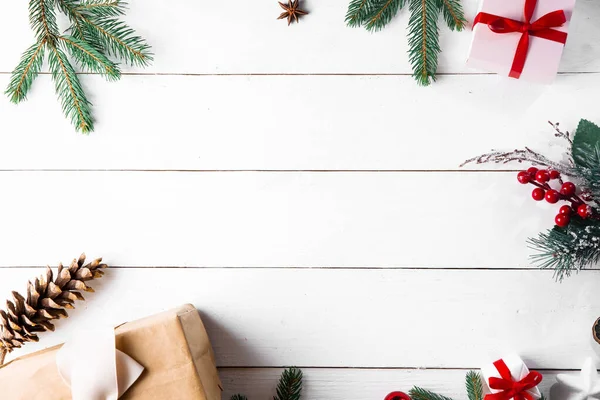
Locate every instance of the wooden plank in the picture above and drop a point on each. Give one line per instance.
(353, 384)
(355, 318)
(292, 123)
(254, 219)
(197, 37)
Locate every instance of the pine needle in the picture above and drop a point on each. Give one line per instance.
(474, 385)
(381, 13)
(68, 88)
(423, 35)
(95, 34)
(28, 69)
(568, 249)
(43, 19)
(357, 11)
(103, 8)
(423, 39)
(417, 393)
(90, 59)
(290, 385)
(238, 397)
(119, 40)
(453, 14)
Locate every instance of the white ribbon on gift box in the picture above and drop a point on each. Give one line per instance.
(94, 369)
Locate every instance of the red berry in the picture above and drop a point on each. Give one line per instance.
(542, 176)
(554, 174)
(562, 220)
(532, 170)
(584, 211)
(397, 396)
(566, 210)
(552, 196)
(523, 177)
(538, 194)
(568, 189)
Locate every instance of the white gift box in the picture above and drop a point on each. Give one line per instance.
(518, 371)
(495, 52)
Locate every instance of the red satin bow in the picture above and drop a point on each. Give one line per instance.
(511, 388)
(541, 28)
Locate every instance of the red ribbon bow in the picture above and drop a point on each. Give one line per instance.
(511, 388)
(541, 28)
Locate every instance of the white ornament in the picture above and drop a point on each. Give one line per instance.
(584, 386)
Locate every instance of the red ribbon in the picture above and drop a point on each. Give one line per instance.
(541, 28)
(511, 388)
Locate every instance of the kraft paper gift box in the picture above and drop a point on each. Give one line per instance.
(501, 33)
(172, 347)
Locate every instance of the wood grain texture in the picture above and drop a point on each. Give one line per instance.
(355, 318)
(360, 278)
(242, 37)
(344, 384)
(293, 122)
(253, 219)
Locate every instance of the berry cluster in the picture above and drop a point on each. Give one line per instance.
(567, 192)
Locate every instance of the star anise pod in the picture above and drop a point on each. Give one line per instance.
(292, 12)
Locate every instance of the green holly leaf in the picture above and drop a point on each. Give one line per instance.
(585, 143)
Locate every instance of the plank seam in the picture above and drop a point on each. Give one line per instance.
(272, 170)
(259, 74)
(546, 370)
(344, 268)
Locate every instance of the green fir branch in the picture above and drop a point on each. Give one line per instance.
(28, 69)
(290, 385)
(74, 103)
(95, 34)
(573, 248)
(423, 39)
(357, 11)
(42, 19)
(69, 8)
(453, 14)
(417, 393)
(118, 40)
(238, 397)
(93, 22)
(381, 13)
(90, 59)
(474, 384)
(103, 8)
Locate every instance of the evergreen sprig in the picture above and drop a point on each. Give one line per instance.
(576, 245)
(423, 30)
(380, 13)
(95, 34)
(417, 393)
(289, 386)
(573, 248)
(474, 384)
(423, 39)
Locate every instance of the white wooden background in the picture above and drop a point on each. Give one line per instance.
(299, 188)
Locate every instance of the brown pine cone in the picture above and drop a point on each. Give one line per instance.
(46, 300)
